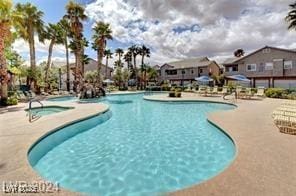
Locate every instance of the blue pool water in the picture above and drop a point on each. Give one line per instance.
(47, 110)
(145, 148)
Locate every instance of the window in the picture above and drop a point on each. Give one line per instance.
(192, 71)
(266, 50)
(231, 69)
(288, 64)
(171, 72)
(200, 71)
(251, 67)
(268, 66)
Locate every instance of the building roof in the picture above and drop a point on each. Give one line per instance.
(235, 59)
(189, 63)
(91, 66)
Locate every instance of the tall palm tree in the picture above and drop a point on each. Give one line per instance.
(30, 23)
(65, 28)
(75, 15)
(144, 52)
(108, 54)
(55, 35)
(128, 59)
(119, 52)
(102, 33)
(239, 53)
(84, 43)
(5, 24)
(134, 50)
(291, 17)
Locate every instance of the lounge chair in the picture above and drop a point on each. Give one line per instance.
(215, 90)
(260, 92)
(224, 90)
(202, 90)
(286, 124)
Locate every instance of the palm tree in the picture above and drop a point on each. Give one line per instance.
(118, 64)
(55, 35)
(64, 26)
(30, 23)
(102, 33)
(75, 15)
(291, 17)
(152, 74)
(144, 52)
(84, 43)
(5, 24)
(108, 54)
(119, 52)
(134, 50)
(128, 59)
(239, 53)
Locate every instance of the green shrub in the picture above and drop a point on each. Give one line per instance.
(177, 93)
(172, 94)
(12, 101)
(276, 93)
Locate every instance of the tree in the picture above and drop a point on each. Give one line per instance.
(125, 76)
(102, 33)
(134, 50)
(144, 52)
(29, 23)
(291, 17)
(152, 74)
(108, 55)
(118, 64)
(55, 35)
(75, 16)
(65, 28)
(239, 53)
(6, 20)
(128, 59)
(119, 52)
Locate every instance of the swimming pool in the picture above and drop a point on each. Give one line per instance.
(137, 148)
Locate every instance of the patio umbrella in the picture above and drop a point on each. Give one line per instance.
(204, 79)
(108, 81)
(241, 78)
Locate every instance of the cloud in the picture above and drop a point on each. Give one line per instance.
(223, 26)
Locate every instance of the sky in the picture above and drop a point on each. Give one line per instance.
(176, 29)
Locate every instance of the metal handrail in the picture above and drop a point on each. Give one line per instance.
(31, 116)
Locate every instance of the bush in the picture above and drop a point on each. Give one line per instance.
(123, 88)
(276, 93)
(172, 94)
(12, 101)
(177, 94)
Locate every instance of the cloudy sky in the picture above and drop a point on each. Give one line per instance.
(178, 29)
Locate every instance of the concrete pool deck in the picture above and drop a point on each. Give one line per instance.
(264, 165)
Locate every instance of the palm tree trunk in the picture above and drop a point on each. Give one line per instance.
(76, 72)
(68, 65)
(106, 70)
(99, 67)
(32, 57)
(48, 65)
(3, 66)
(142, 72)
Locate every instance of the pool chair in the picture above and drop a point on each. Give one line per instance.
(224, 90)
(286, 124)
(202, 90)
(260, 92)
(215, 90)
(239, 91)
(283, 113)
(290, 103)
(248, 93)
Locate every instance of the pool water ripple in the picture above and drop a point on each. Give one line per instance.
(145, 148)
